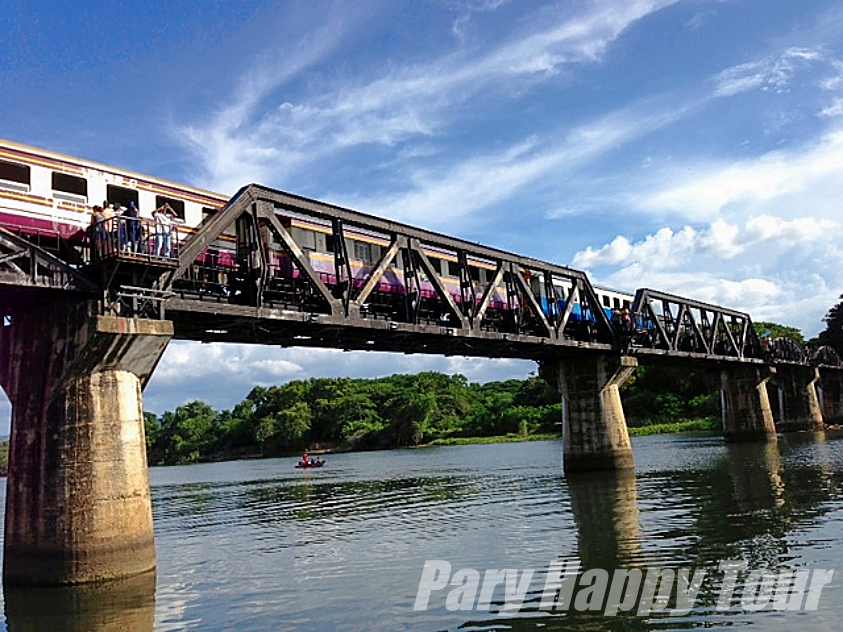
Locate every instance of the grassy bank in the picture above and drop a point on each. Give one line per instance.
(507, 438)
(687, 425)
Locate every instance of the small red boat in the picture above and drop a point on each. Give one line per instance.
(301, 465)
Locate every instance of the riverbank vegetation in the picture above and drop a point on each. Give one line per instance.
(404, 411)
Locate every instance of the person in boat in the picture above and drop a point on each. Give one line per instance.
(305, 459)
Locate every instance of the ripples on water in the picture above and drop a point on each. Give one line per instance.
(257, 545)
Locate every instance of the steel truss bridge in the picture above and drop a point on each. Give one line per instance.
(551, 310)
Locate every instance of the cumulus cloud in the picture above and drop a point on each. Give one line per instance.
(668, 248)
(776, 268)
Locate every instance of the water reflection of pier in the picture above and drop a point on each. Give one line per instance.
(126, 605)
(743, 504)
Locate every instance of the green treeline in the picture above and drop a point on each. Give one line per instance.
(399, 411)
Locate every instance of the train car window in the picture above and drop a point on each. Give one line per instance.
(474, 273)
(627, 304)
(363, 252)
(120, 195)
(617, 303)
(452, 268)
(66, 183)
(436, 262)
(14, 172)
(330, 243)
(176, 205)
(208, 213)
(304, 238)
(606, 301)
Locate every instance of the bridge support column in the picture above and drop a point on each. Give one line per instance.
(77, 494)
(830, 391)
(594, 432)
(799, 403)
(747, 415)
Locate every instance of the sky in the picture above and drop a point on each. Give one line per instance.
(692, 146)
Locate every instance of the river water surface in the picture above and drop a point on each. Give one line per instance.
(258, 545)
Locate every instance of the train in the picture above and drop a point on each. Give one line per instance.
(48, 197)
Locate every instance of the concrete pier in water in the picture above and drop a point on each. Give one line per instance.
(747, 414)
(796, 398)
(594, 431)
(77, 500)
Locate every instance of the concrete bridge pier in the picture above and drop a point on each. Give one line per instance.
(830, 392)
(797, 400)
(747, 415)
(594, 431)
(77, 496)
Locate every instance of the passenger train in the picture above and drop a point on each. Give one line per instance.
(48, 197)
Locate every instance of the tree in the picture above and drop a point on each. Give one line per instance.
(188, 434)
(775, 330)
(284, 428)
(833, 334)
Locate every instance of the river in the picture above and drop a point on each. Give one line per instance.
(257, 545)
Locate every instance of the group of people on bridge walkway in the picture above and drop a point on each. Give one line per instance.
(115, 229)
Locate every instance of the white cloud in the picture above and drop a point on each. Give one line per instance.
(787, 270)
(834, 109)
(835, 81)
(668, 248)
(772, 73)
(245, 143)
(436, 197)
(465, 10)
(699, 192)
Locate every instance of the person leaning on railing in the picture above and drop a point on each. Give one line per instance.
(163, 217)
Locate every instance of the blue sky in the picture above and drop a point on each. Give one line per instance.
(693, 146)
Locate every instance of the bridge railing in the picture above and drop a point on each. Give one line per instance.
(133, 239)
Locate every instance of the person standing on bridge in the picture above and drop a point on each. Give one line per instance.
(163, 231)
(133, 228)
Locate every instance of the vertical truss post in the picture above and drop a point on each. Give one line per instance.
(552, 306)
(342, 265)
(467, 291)
(512, 298)
(411, 285)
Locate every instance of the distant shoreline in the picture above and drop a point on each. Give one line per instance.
(687, 425)
(691, 425)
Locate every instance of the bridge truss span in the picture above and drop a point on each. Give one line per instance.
(673, 325)
(360, 282)
(423, 292)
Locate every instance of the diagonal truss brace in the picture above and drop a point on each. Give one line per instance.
(266, 211)
(414, 249)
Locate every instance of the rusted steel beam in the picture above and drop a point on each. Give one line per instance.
(266, 211)
(324, 211)
(414, 247)
(532, 302)
(573, 295)
(398, 242)
(487, 295)
(208, 233)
